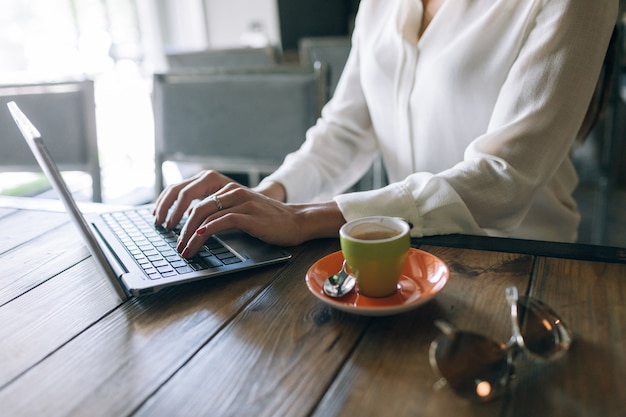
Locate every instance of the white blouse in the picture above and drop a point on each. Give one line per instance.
(474, 120)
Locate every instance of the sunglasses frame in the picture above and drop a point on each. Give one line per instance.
(484, 390)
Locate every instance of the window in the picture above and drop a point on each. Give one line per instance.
(47, 40)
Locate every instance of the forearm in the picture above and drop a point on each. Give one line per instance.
(319, 220)
(315, 220)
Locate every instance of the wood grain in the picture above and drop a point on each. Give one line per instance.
(38, 260)
(589, 380)
(23, 225)
(391, 361)
(275, 359)
(258, 343)
(116, 357)
(45, 318)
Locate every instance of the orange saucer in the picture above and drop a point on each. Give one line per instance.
(423, 277)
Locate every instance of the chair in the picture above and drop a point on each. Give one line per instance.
(222, 58)
(234, 120)
(332, 51)
(605, 91)
(604, 120)
(64, 112)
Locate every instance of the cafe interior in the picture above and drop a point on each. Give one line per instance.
(118, 57)
(133, 95)
(129, 76)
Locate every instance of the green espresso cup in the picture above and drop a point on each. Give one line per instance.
(376, 249)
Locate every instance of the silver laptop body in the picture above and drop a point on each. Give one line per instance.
(122, 260)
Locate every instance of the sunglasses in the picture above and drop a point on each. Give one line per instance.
(479, 368)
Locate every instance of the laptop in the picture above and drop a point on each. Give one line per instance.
(137, 256)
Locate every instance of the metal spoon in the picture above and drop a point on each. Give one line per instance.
(339, 284)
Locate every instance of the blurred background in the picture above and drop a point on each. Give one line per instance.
(120, 45)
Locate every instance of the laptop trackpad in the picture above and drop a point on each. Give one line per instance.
(250, 247)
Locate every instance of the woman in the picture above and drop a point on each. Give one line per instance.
(473, 105)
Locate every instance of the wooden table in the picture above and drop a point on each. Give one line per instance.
(260, 344)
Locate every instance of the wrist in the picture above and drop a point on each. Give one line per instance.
(272, 189)
(319, 220)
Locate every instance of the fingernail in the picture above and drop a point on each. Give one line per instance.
(200, 230)
(185, 253)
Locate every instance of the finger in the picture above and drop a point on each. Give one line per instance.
(169, 196)
(201, 185)
(201, 234)
(159, 199)
(165, 201)
(203, 212)
(227, 200)
(238, 213)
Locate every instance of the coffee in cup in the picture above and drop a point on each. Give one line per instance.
(376, 250)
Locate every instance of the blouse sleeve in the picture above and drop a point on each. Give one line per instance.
(339, 148)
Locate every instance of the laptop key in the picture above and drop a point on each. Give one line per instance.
(155, 249)
(178, 263)
(165, 269)
(212, 261)
(231, 260)
(169, 253)
(160, 263)
(184, 269)
(197, 265)
(220, 250)
(155, 275)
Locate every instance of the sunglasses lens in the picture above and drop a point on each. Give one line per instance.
(474, 366)
(545, 334)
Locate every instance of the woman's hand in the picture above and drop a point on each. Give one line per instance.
(228, 205)
(183, 194)
(238, 207)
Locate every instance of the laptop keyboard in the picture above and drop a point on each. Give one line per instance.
(154, 247)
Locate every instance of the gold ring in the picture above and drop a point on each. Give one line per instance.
(217, 202)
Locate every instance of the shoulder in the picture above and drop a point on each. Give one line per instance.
(580, 13)
(578, 24)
